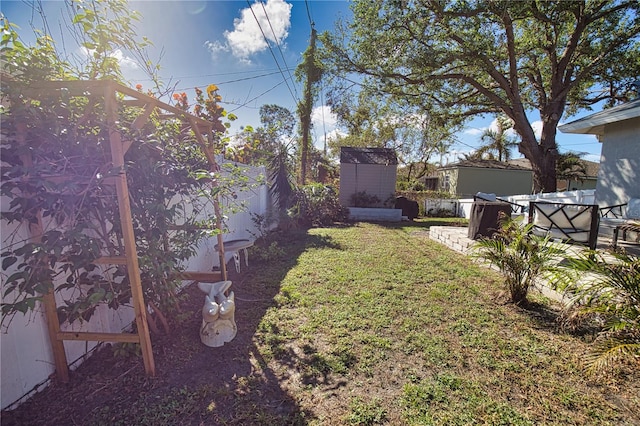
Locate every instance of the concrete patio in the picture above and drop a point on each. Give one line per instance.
(456, 238)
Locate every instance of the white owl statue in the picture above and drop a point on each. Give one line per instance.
(218, 314)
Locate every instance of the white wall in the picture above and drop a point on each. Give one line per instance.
(239, 225)
(619, 174)
(27, 359)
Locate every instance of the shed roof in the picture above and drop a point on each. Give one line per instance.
(594, 124)
(484, 164)
(381, 156)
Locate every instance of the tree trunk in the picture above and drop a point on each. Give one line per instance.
(542, 155)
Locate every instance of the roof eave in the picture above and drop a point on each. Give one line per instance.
(582, 129)
(594, 124)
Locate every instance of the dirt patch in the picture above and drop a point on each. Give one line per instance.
(108, 389)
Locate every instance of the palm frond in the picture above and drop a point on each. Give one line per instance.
(611, 351)
(605, 286)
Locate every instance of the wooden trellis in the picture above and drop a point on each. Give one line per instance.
(113, 94)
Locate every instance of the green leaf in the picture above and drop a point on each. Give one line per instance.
(97, 297)
(8, 261)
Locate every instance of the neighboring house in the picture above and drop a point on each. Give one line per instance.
(369, 170)
(618, 129)
(588, 182)
(468, 177)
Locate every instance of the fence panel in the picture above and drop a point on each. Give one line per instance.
(27, 361)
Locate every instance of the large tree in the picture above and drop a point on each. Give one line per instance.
(467, 58)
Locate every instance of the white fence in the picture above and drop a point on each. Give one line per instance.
(585, 196)
(436, 205)
(27, 360)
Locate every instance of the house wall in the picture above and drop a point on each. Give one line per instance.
(27, 360)
(470, 180)
(374, 179)
(619, 175)
(448, 180)
(576, 185)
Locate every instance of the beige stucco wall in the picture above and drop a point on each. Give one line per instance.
(619, 175)
(470, 180)
(374, 179)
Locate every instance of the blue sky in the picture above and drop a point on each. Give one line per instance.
(198, 43)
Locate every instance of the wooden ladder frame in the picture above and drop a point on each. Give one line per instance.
(113, 94)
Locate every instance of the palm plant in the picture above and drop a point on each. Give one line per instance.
(521, 256)
(569, 166)
(282, 187)
(497, 141)
(606, 287)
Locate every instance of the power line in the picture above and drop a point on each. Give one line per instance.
(256, 97)
(271, 51)
(324, 127)
(217, 74)
(306, 2)
(279, 49)
(231, 81)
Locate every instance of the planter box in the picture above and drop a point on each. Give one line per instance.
(375, 214)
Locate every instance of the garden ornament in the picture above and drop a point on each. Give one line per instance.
(218, 314)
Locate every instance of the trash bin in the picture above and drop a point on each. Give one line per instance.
(484, 220)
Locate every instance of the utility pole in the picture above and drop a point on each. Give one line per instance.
(312, 73)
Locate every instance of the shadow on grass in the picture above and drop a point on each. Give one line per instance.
(194, 384)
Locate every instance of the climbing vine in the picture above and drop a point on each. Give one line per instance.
(56, 173)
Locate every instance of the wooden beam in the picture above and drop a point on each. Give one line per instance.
(142, 119)
(135, 102)
(133, 268)
(110, 260)
(99, 337)
(216, 200)
(87, 87)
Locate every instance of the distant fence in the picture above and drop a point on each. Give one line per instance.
(27, 360)
(440, 206)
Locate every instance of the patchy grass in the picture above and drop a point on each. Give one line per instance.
(360, 325)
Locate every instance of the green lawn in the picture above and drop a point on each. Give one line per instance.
(366, 324)
(418, 334)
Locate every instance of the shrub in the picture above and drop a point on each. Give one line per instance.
(362, 199)
(607, 289)
(317, 205)
(521, 256)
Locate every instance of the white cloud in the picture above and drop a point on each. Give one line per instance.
(324, 125)
(271, 20)
(215, 47)
(510, 133)
(124, 61)
(332, 135)
(537, 128)
(474, 131)
(335, 134)
(322, 117)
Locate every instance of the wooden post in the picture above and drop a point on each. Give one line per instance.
(133, 269)
(48, 299)
(215, 168)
